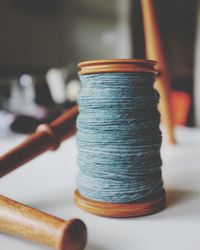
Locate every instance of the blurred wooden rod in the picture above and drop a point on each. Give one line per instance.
(26, 222)
(45, 138)
(155, 51)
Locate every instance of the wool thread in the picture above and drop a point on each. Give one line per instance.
(118, 137)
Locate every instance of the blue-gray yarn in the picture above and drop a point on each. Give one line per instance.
(118, 137)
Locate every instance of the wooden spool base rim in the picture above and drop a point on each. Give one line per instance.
(121, 210)
(116, 65)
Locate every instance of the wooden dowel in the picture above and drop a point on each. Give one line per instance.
(46, 137)
(155, 51)
(19, 220)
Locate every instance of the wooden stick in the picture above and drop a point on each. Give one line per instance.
(154, 51)
(46, 137)
(23, 221)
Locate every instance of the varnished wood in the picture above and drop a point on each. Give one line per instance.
(23, 221)
(115, 61)
(154, 51)
(45, 138)
(119, 210)
(116, 65)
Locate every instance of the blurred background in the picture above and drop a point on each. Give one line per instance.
(41, 43)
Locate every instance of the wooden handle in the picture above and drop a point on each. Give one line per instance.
(46, 137)
(23, 221)
(155, 51)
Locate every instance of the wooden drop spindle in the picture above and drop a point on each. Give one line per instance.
(46, 137)
(23, 221)
(155, 51)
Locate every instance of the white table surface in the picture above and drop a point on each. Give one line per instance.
(47, 183)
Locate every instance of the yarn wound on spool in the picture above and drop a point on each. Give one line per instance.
(118, 137)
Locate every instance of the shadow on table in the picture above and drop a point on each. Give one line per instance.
(92, 246)
(175, 197)
(181, 203)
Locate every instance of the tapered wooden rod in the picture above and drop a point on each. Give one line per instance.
(154, 51)
(19, 220)
(46, 137)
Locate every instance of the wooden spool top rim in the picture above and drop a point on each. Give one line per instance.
(116, 65)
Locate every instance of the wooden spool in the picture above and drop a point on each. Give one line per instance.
(139, 208)
(26, 222)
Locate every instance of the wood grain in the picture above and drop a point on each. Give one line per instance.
(23, 221)
(121, 210)
(155, 51)
(116, 65)
(45, 138)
